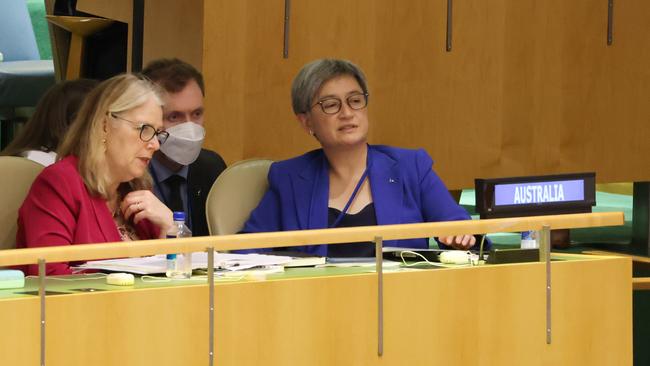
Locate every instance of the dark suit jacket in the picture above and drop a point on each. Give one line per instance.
(404, 190)
(59, 210)
(200, 177)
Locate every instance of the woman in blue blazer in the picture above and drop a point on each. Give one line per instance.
(348, 182)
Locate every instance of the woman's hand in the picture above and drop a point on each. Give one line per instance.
(462, 242)
(145, 205)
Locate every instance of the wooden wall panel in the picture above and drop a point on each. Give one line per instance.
(235, 69)
(173, 29)
(626, 110)
(446, 102)
(529, 88)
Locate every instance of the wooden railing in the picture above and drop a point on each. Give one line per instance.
(303, 237)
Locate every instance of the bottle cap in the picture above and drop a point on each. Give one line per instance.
(179, 216)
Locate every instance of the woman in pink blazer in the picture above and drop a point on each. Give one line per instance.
(100, 190)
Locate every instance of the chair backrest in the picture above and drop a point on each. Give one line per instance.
(16, 179)
(235, 193)
(17, 39)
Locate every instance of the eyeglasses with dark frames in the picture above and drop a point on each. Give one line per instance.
(333, 105)
(147, 131)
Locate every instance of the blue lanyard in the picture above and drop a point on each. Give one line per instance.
(354, 193)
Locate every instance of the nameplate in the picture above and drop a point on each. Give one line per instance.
(535, 195)
(542, 192)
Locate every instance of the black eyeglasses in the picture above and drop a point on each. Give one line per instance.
(147, 131)
(333, 105)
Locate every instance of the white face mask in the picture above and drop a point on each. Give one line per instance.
(184, 143)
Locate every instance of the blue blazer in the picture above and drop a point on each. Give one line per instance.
(403, 185)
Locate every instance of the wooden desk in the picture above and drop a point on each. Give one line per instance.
(638, 283)
(490, 315)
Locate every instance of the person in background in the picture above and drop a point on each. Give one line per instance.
(348, 182)
(100, 189)
(40, 137)
(183, 172)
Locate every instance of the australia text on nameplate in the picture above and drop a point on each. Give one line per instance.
(538, 192)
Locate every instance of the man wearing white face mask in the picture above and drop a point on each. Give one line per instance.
(183, 172)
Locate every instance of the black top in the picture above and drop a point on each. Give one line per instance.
(365, 217)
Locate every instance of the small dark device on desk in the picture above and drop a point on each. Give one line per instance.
(537, 195)
(515, 255)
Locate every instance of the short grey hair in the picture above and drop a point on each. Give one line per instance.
(316, 73)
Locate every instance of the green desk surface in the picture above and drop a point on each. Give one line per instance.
(75, 284)
(71, 284)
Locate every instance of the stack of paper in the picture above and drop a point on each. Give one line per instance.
(158, 263)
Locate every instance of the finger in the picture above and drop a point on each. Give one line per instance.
(129, 210)
(135, 196)
(128, 201)
(445, 240)
(460, 242)
(134, 193)
(467, 241)
(139, 216)
(124, 206)
(134, 208)
(454, 245)
(142, 212)
(472, 240)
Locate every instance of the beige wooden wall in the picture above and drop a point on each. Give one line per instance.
(530, 86)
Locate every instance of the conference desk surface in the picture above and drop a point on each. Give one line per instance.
(486, 315)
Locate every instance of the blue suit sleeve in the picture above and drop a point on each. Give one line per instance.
(267, 216)
(437, 203)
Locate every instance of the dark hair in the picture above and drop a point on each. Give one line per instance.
(54, 113)
(173, 74)
(316, 73)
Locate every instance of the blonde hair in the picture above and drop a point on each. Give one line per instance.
(86, 138)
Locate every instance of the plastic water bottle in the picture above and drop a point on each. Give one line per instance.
(179, 265)
(529, 240)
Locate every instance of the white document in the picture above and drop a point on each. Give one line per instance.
(158, 263)
(138, 265)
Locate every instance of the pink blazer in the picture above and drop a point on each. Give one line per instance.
(59, 210)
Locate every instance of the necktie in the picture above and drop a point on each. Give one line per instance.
(174, 184)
